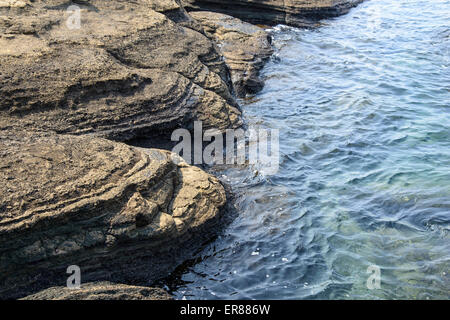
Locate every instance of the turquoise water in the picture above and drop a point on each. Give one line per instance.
(363, 108)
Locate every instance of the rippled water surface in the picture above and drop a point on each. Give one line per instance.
(363, 108)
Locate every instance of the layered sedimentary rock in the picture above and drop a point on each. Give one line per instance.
(126, 71)
(120, 213)
(129, 69)
(245, 48)
(101, 291)
(297, 13)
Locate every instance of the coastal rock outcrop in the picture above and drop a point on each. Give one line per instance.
(78, 78)
(120, 213)
(123, 70)
(245, 47)
(101, 291)
(298, 13)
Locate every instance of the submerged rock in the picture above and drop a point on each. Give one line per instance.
(101, 291)
(246, 48)
(298, 13)
(120, 213)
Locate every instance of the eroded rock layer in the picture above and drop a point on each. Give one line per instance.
(127, 71)
(130, 69)
(299, 13)
(245, 48)
(120, 213)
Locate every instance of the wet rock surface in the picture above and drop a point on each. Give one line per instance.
(298, 13)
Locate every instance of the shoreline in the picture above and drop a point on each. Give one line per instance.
(70, 89)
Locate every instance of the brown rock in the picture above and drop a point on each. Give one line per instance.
(101, 291)
(128, 72)
(120, 213)
(246, 48)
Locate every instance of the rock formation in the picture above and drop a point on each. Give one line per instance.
(245, 48)
(107, 207)
(132, 69)
(128, 71)
(298, 13)
(101, 291)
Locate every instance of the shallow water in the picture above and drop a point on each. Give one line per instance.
(363, 108)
